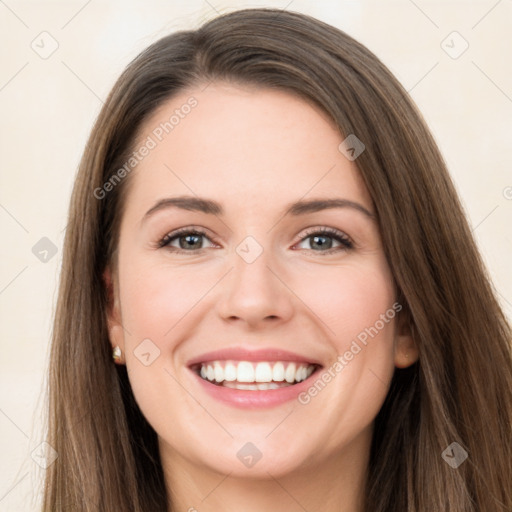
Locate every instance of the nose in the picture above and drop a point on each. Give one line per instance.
(255, 293)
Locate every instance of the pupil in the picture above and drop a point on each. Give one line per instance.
(188, 238)
(316, 238)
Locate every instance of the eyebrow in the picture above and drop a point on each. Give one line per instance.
(211, 207)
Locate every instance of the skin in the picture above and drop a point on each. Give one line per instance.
(254, 151)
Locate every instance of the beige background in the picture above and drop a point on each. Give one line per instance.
(48, 106)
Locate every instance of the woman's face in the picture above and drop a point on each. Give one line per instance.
(263, 295)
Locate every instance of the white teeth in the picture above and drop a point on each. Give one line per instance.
(252, 387)
(278, 372)
(289, 374)
(229, 372)
(262, 375)
(269, 385)
(218, 372)
(262, 387)
(245, 372)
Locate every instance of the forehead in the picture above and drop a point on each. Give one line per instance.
(246, 143)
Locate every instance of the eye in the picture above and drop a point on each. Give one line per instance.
(322, 238)
(188, 239)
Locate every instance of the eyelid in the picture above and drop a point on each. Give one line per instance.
(345, 240)
(185, 231)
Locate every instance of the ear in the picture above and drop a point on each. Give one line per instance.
(115, 327)
(406, 350)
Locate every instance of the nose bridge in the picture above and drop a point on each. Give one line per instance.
(254, 293)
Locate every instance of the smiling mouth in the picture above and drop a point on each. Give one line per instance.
(254, 376)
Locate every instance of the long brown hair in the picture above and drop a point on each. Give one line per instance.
(460, 389)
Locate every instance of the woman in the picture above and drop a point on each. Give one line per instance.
(252, 372)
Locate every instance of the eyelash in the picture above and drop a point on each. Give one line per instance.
(346, 243)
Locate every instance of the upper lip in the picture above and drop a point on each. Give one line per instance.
(244, 354)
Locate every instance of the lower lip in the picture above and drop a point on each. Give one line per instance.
(254, 399)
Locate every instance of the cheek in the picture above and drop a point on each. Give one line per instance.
(348, 299)
(156, 297)
(158, 302)
(356, 304)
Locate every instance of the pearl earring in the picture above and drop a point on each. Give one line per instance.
(116, 353)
